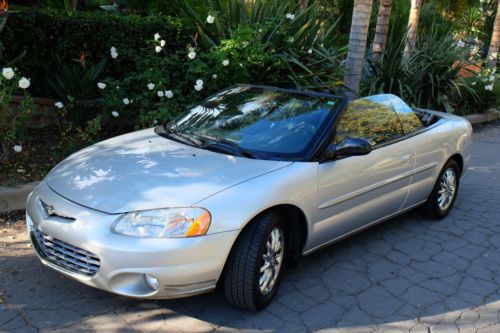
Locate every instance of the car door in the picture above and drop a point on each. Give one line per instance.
(428, 152)
(358, 190)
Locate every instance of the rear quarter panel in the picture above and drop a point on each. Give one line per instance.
(450, 136)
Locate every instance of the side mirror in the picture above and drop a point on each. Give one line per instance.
(348, 147)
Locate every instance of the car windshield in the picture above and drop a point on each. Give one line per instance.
(258, 119)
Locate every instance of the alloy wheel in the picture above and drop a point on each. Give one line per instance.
(271, 261)
(447, 189)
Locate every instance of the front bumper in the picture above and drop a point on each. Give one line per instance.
(183, 266)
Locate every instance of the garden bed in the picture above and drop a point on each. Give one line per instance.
(40, 154)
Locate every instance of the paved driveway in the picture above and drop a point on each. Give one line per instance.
(407, 275)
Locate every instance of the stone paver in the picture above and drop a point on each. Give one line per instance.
(407, 275)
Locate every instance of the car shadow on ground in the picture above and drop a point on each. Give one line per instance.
(406, 271)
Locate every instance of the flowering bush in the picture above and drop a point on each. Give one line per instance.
(12, 119)
(283, 47)
(303, 44)
(478, 93)
(163, 83)
(97, 34)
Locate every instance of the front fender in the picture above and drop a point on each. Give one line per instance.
(233, 208)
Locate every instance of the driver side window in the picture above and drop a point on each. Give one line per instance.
(374, 121)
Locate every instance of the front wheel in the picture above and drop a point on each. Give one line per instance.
(443, 196)
(255, 266)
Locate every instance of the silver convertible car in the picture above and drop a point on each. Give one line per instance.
(241, 185)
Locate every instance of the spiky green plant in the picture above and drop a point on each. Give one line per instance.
(428, 78)
(302, 39)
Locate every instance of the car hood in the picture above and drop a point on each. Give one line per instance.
(141, 170)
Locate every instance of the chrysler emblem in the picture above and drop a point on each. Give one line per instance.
(51, 211)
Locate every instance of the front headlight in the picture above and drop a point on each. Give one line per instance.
(169, 222)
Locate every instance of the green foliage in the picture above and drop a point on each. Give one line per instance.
(148, 86)
(256, 44)
(44, 33)
(77, 137)
(477, 93)
(304, 41)
(12, 117)
(75, 85)
(428, 77)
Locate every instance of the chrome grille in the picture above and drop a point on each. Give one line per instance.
(66, 255)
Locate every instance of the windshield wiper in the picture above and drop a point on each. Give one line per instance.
(225, 143)
(178, 136)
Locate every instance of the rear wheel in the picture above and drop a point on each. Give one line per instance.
(443, 196)
(255, 266)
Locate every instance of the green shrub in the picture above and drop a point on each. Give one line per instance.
(303, 41)
(163, 83)
(44, 33)
(425, 79)
(13, 118)
(283, 46)
(477, 93)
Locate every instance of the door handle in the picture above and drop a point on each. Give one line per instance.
(406, 159)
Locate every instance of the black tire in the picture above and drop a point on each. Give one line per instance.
(431, 208)
(241, 275)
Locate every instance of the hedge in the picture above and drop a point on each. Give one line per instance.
(44, 33)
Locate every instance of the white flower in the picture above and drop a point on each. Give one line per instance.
(199, 82)
(126, 101)
(214, 76)
(290, 16)
(492, 78)
(115, 114)
(260, 30)
(198, 88)
(310, 51)
(162, 43)
(225, 62)
(59, 105)
(192, 55)
(151, 86)
(157, 36)
(169, 93)
(114, 53)
(18, 148)
(101, 85)
(488, 87)
(24, 83)
(210, 19)
(160, 93)
(8, 73)
(473, 83)
(20, 170)
(245, 43)
(461, 43)
(158, 49)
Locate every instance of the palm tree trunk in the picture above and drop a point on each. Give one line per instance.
(384, 14)
(495, 40)
(357, 43)
(412, 27)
